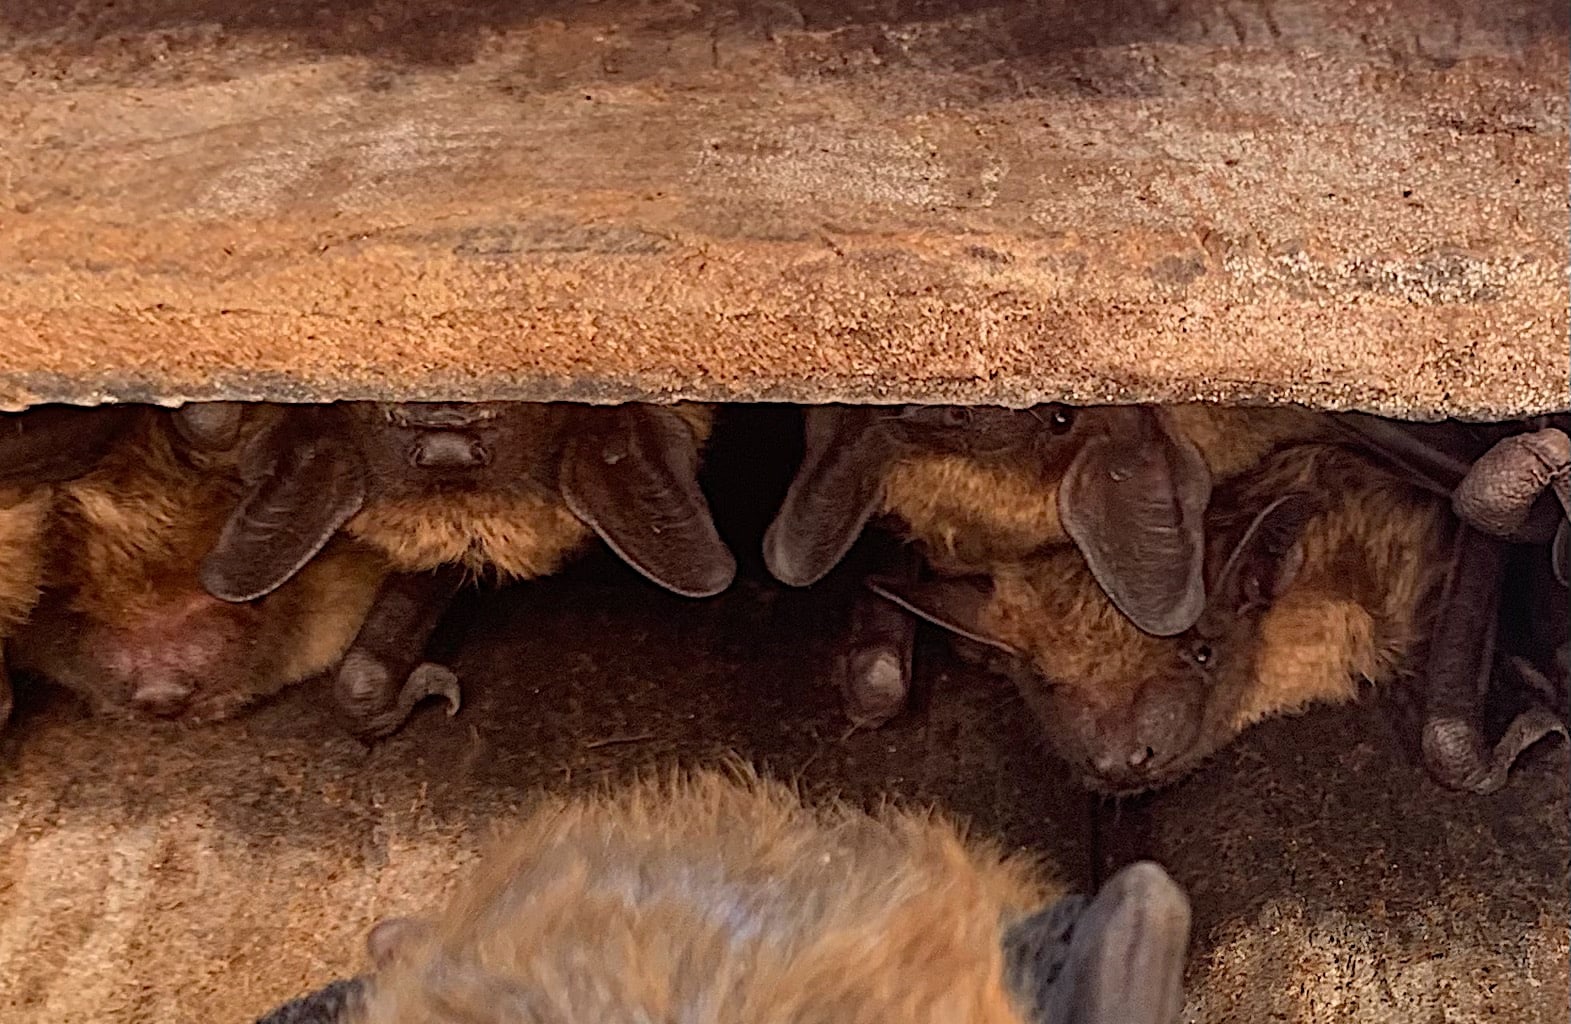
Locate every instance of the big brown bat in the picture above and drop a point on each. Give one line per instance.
(712, 901)
(40, 448)
(506, 490)
(975, 487)
(1323, 572)
(124, 620)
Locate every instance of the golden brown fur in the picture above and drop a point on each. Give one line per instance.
(124, 592)
(508, 536)
(24, 514)
(514, 536)
(970, 513)
(1358, 610)
(712, 900)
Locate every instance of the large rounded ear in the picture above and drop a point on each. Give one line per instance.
(956, 603)
(211, 426)
(1134, 502)
(392, 937)
(1118, 959)
(306, 483)
(52, 443)
(632, 476)
(1264, 561)
(833, 495)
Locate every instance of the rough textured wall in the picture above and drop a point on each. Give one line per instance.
(1354, 204)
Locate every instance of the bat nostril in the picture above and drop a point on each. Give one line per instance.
(1141, 757)
(448, 449)
(165, 698)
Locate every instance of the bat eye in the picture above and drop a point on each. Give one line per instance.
(956, 416)
(1061, 420)
(1202, 655)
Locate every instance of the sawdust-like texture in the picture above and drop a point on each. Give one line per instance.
(1345, 204)
(167, 875)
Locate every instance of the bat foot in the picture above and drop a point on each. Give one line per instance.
(375, 705)
(1499, 493)
(875, 682)
(1458, 758)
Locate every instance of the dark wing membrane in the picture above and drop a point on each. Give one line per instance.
(1434, 456)
(633, 478)
(833, 495)
(1134, 502)
(51, 443)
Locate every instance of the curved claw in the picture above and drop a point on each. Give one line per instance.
(1458, 758)
(367, 697)
(432, 680)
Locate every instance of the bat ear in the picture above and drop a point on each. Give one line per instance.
(833, 495)
(1116, 959)
(956, 603)
(633, 478)
(306, 483)
(1263, 563)
(211, 426)
(53, 443)
(1134, 502)
(391, 937)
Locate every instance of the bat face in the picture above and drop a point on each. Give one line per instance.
(1130, 491)
(629, 473)
(1128, 710)
(414, 449)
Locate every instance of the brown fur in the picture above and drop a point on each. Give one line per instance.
(514, 536)
(24, 513)
(970, 513)
(129, 538)
(709, 900)
(517, 535)
(1358, 610)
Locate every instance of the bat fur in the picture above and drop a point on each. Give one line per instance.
(124, 609)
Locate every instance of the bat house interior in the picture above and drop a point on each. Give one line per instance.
(1137, 429)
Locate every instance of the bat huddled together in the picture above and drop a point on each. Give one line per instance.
(1153, 578)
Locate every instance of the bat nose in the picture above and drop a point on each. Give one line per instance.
(164, 697)
(448, 449)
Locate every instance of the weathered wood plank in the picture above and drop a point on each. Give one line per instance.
(1351, 204)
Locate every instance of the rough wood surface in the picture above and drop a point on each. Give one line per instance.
(1352, 204)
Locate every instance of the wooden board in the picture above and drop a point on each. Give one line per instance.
(1352, 204)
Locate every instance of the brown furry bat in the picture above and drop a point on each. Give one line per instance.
(125, 620)
(39, 448)
(977, 487)
(503, 490)
(712, 901)
(1323, 570)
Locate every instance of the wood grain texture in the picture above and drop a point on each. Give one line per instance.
(1350, 204)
